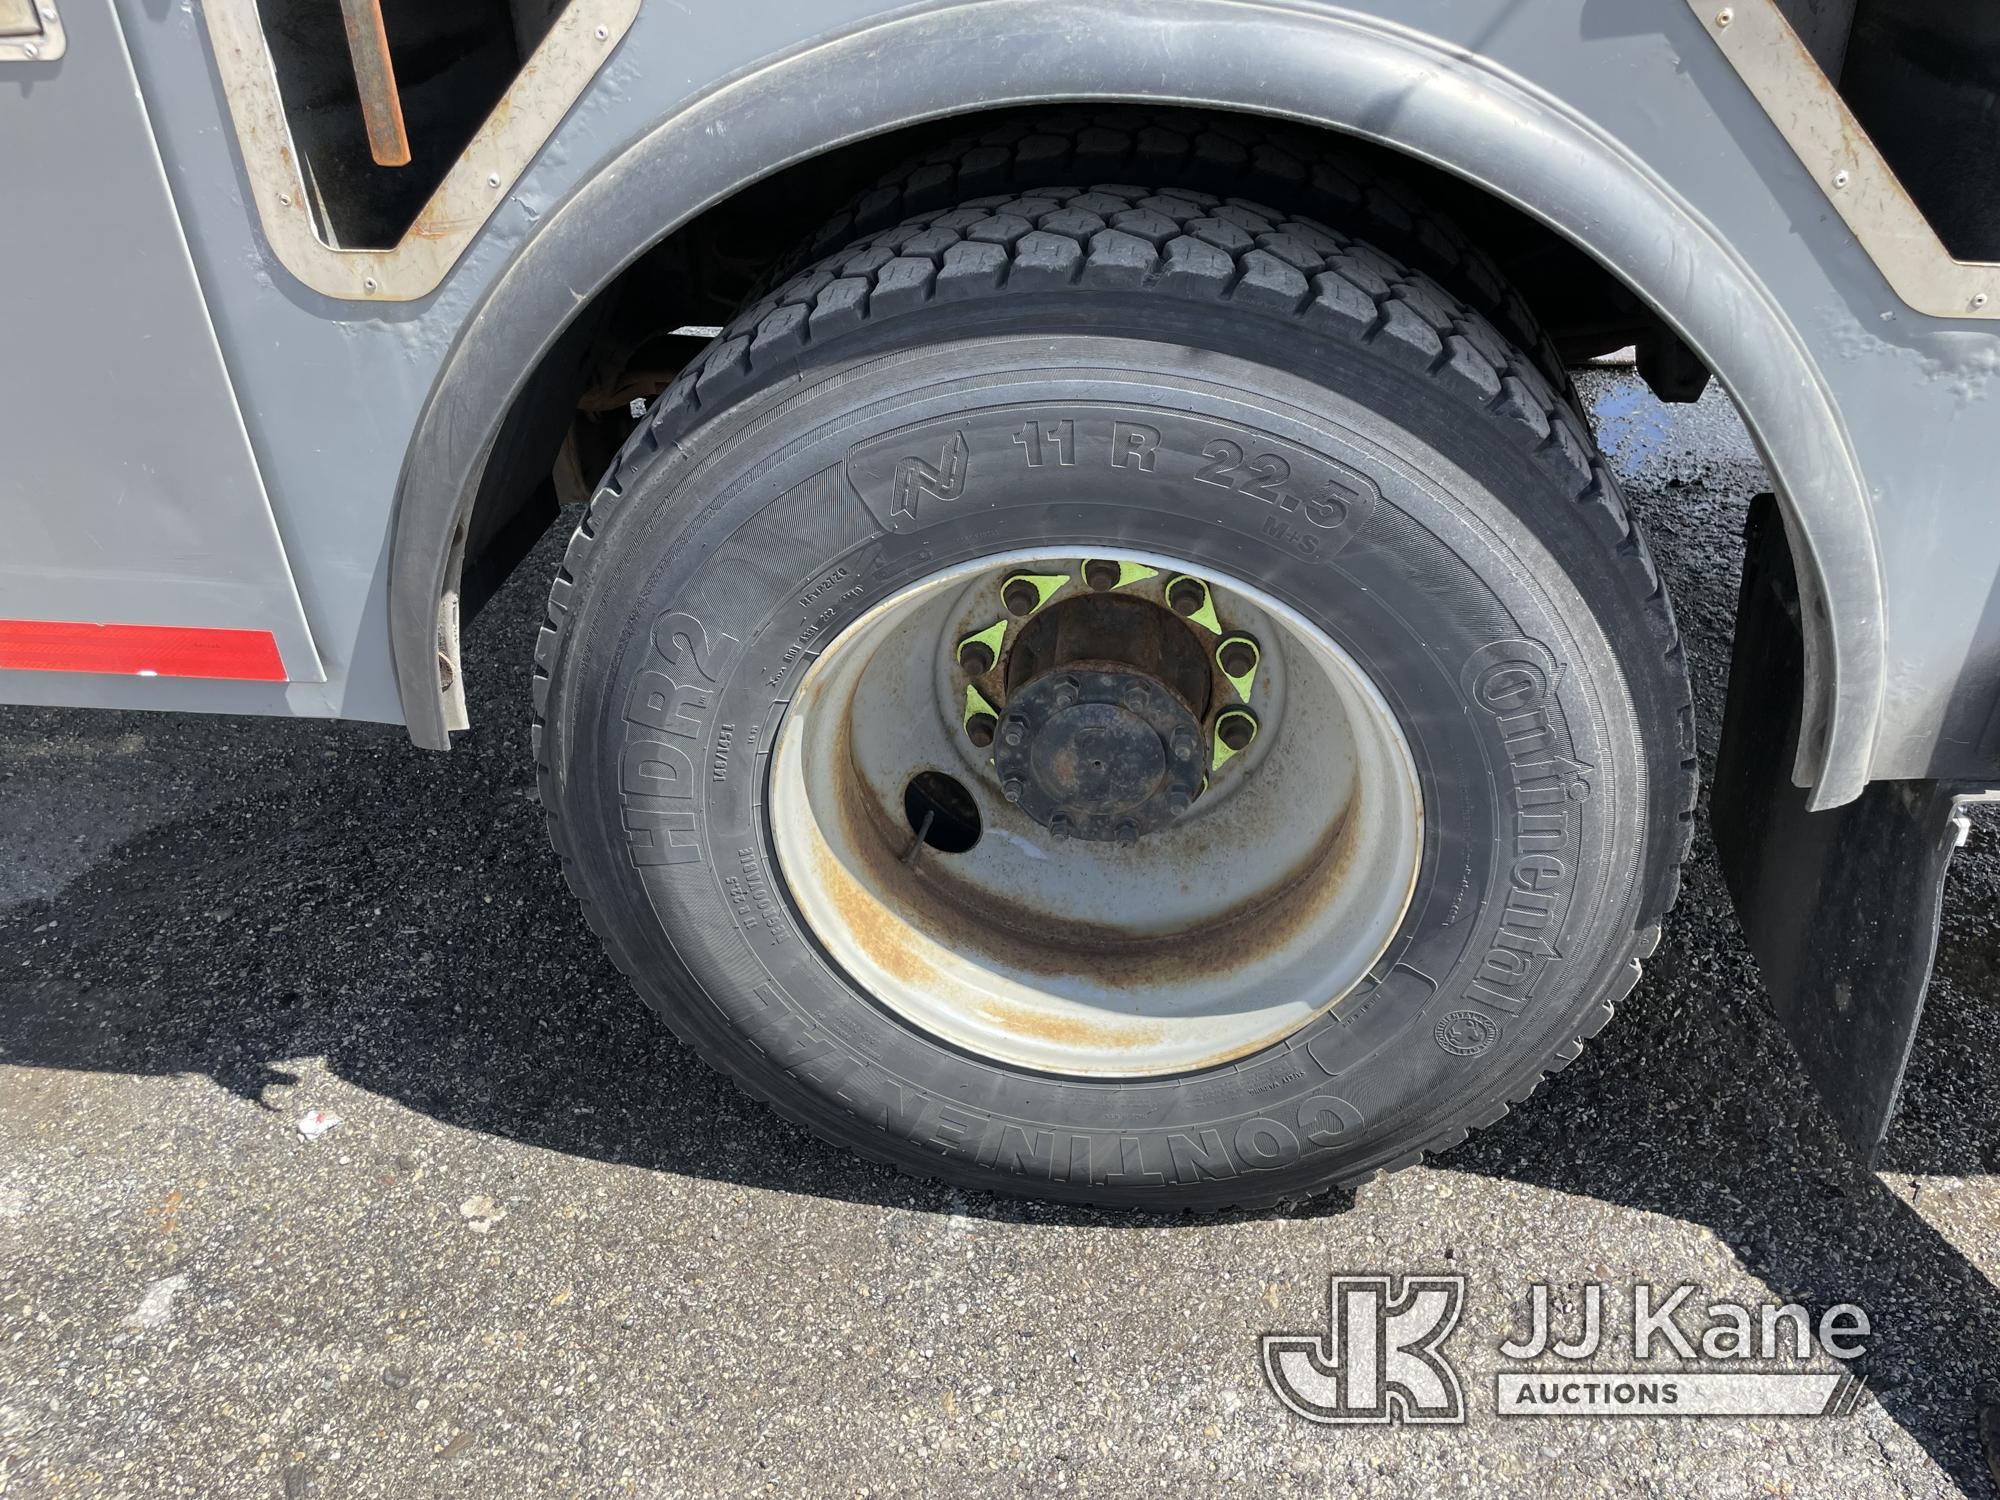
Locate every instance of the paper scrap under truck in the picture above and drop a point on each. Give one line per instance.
(1097, 655)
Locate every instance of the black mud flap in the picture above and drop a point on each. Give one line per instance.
(1841, 907)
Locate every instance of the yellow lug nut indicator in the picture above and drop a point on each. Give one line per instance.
(980, 717)
(1239, 657)
(1024, 593)
(1104, 573)
(1130, 573)
(1190, 599)
(979, 652)
(1235, 728)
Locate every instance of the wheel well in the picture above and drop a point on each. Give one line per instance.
(1330, 68)
(575, 410)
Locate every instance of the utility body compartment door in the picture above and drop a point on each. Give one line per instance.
(137, 544)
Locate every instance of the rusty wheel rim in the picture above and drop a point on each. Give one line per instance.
(1106, 816)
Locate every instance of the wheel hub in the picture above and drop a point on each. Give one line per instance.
(1102, 733)
(1099, 753)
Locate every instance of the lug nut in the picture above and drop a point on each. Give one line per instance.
(1128, 834)
(1183, 744)
(1059, 827)
(1177, 801)
(1236, 729)
(979, 729)
(1186, 596)
(1135, 698)
(1065, 692)
(1237, 656)
(976, 657)
(1014, 729)
(1012, 789)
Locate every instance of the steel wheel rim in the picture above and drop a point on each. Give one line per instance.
(1221, 927)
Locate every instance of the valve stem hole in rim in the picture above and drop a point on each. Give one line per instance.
(941, 812)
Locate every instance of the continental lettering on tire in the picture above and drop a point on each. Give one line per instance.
(1196, 1153)
(1269, 1141)
(1300, 499)
(1514, 683)
(668, 707)
(1266, 1142)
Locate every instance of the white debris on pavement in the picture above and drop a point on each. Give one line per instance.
(481, 1213)
(315, 1123)
(158, 1304)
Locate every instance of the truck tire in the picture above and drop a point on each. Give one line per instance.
(1315, 176)
(1120, 697)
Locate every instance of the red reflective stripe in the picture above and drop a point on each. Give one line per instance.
(139, 650)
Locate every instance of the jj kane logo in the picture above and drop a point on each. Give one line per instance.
(1382, 1357)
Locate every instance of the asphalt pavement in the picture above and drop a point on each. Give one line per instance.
(545, 1251)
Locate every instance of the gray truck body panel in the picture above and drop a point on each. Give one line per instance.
(129, 488)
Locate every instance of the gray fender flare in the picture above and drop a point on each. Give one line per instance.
(1413, 93)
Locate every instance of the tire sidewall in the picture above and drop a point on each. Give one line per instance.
(764, 532)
